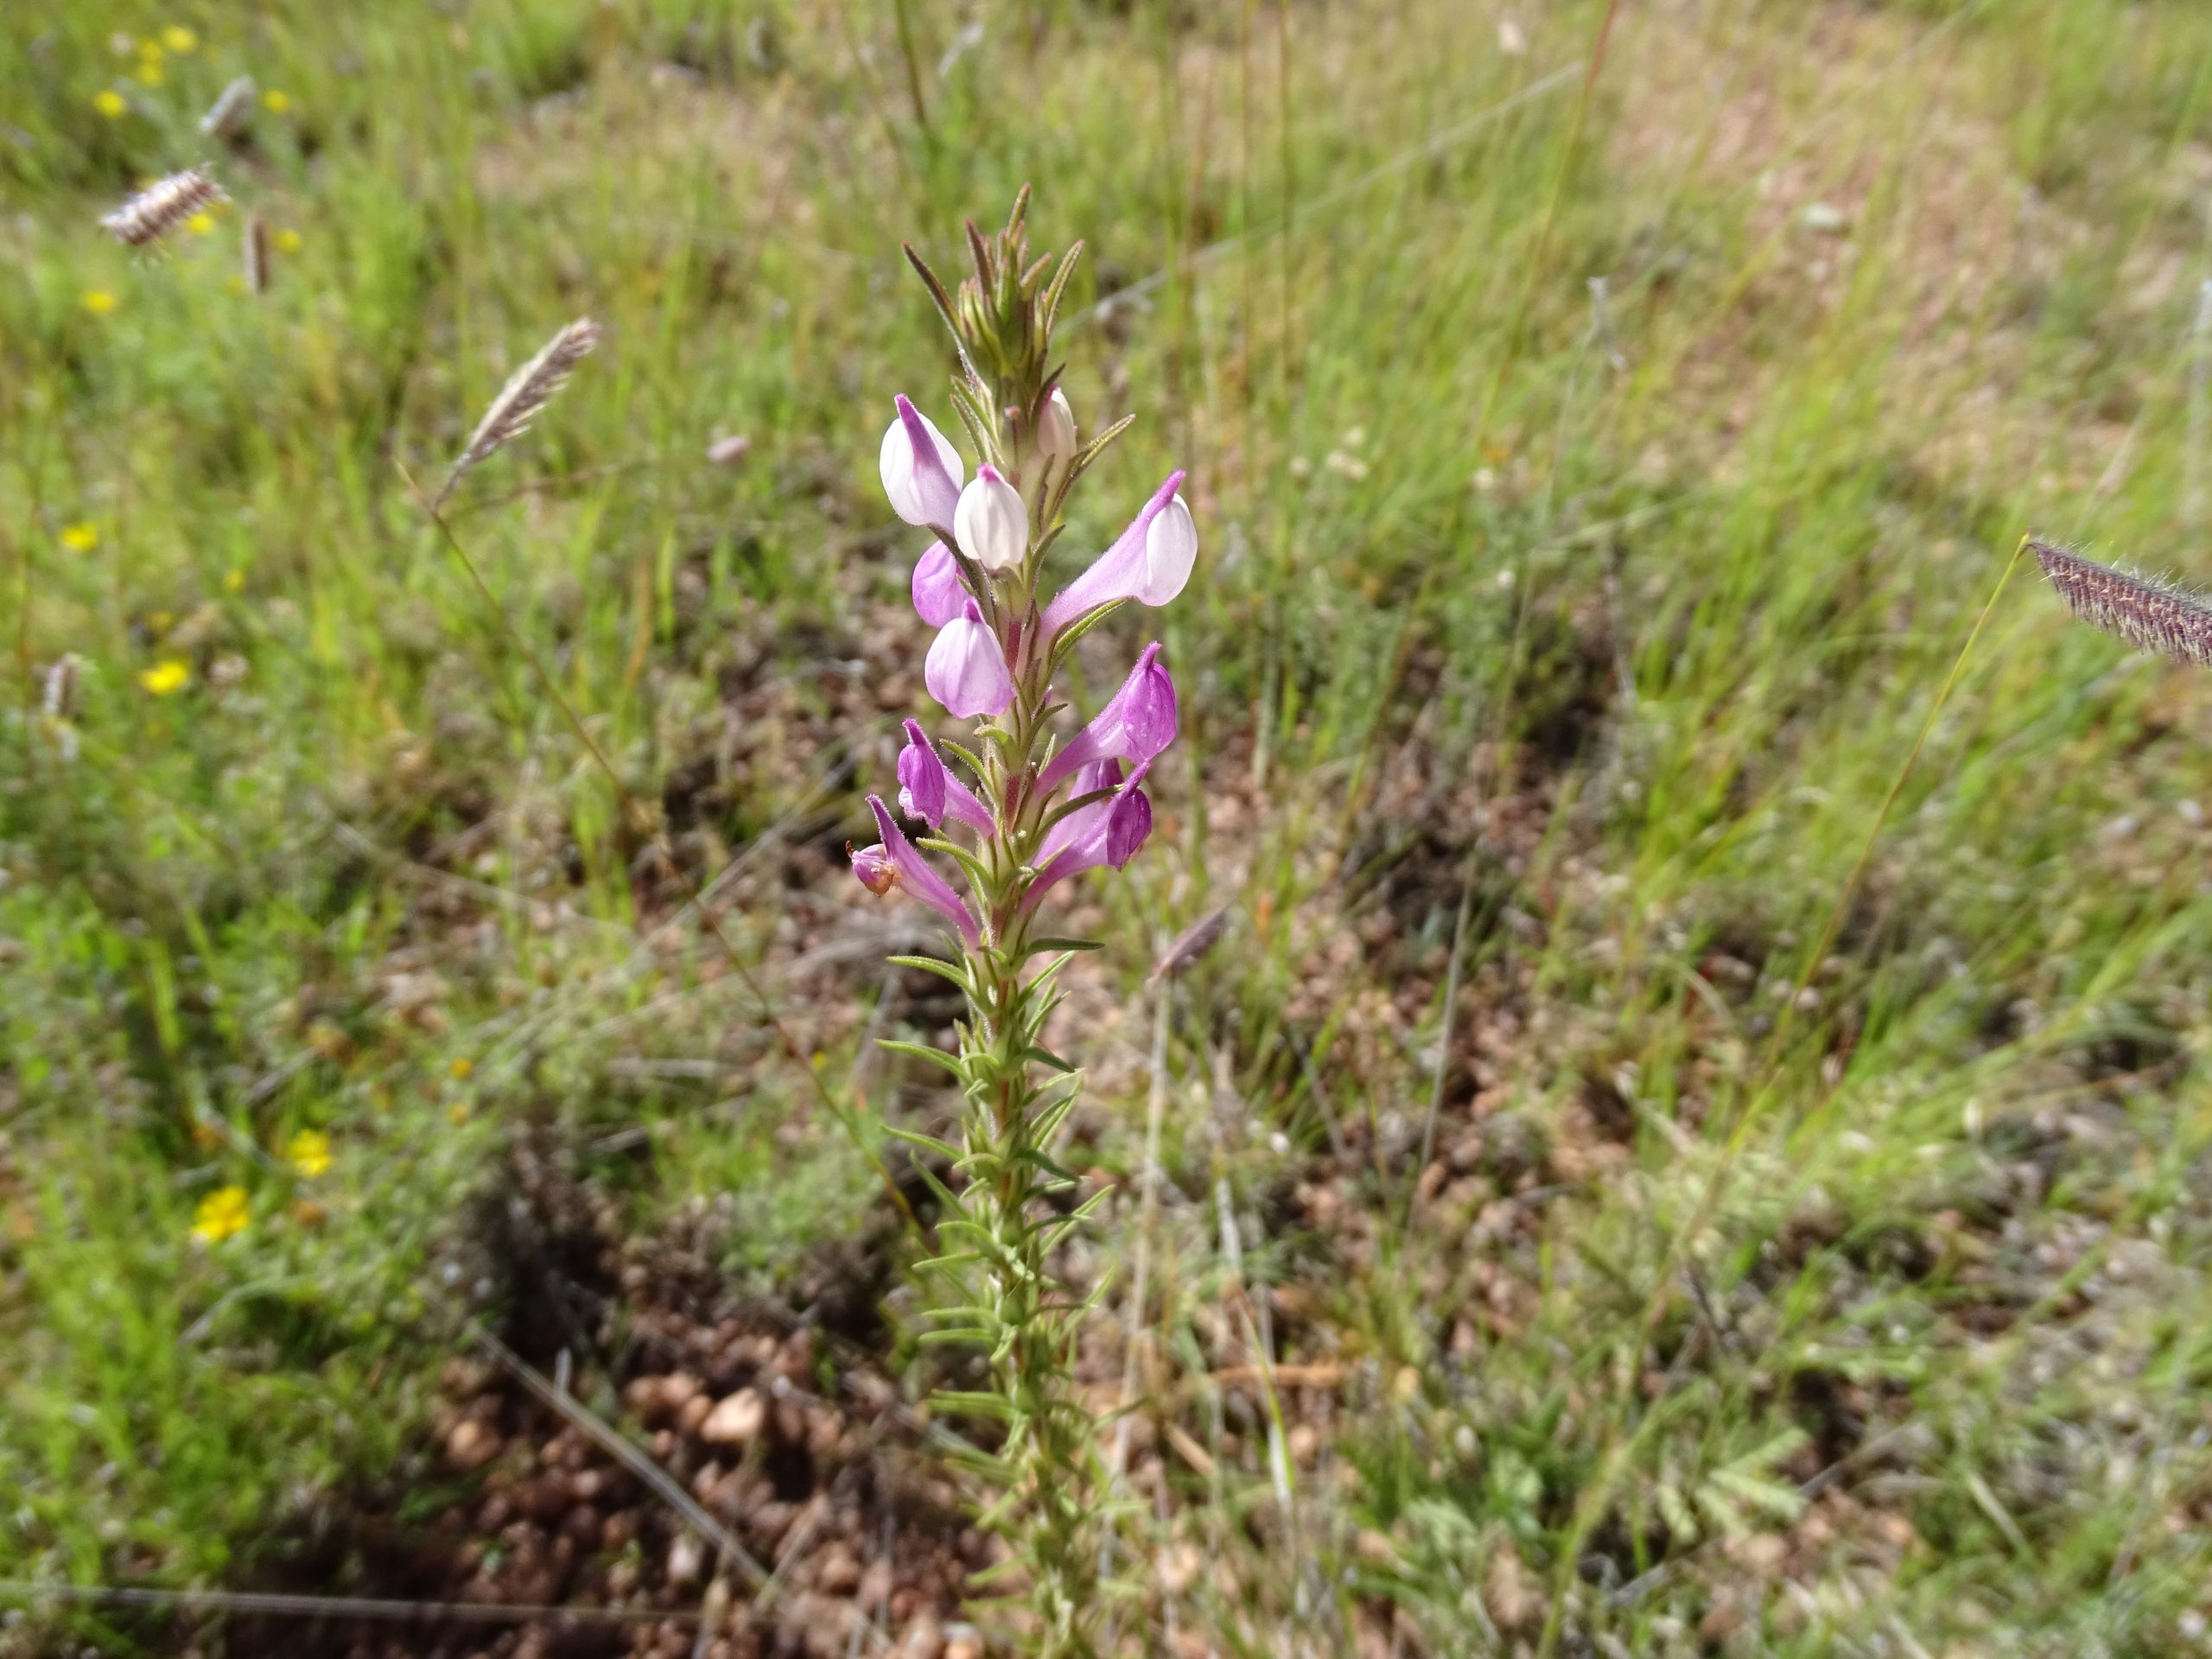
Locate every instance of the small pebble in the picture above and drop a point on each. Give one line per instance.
(737, 1420)
(471, 1445)
(685, 1556)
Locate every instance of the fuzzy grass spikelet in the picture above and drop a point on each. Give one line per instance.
(529, 388)
(228, 116)
(2152, 615)
(160, 207)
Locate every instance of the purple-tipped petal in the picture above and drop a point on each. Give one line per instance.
(1135, 725)
(920, 469)
(939, 595)
(929, 790)
(966, 668)
(1134, 568)
(912, 871)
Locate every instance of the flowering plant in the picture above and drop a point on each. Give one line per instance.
(1035, 809)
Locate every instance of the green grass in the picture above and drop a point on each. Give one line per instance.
(1623, 632)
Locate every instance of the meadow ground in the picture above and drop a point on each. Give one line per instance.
(1694, 1138)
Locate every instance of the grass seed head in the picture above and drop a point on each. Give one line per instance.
(2147, 612)
(529, 388)
(160, 207)
(226, 116)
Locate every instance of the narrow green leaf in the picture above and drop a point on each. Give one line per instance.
(942, 970)
(916, 1051)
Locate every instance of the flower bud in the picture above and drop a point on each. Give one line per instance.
(992, 525)
(874, 867)
(1056, 440)
(939, 595)
(966, 668)
(921, 470)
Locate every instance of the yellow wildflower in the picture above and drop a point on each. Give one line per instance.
(310, 1153)
(179, 39)
(148, 75)
(287, 241)
(98, 301)
(232, 581)
(457, 1114)
(165, 677)
(151, 51)
(201, 223)
(276, 102)
(461, 1069)
(221, 1213)
(109, 103)
(81, 538)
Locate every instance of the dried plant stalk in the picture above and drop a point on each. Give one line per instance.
(160, 207)
(253, 254)
(528, 389)
(2155, 615)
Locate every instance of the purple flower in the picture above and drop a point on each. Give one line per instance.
(928, 789)
(1135, 726)
(1105, 832)
(1149, 562)
(966, 668)
(921, 470)
(939, 595)
(894, 862)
